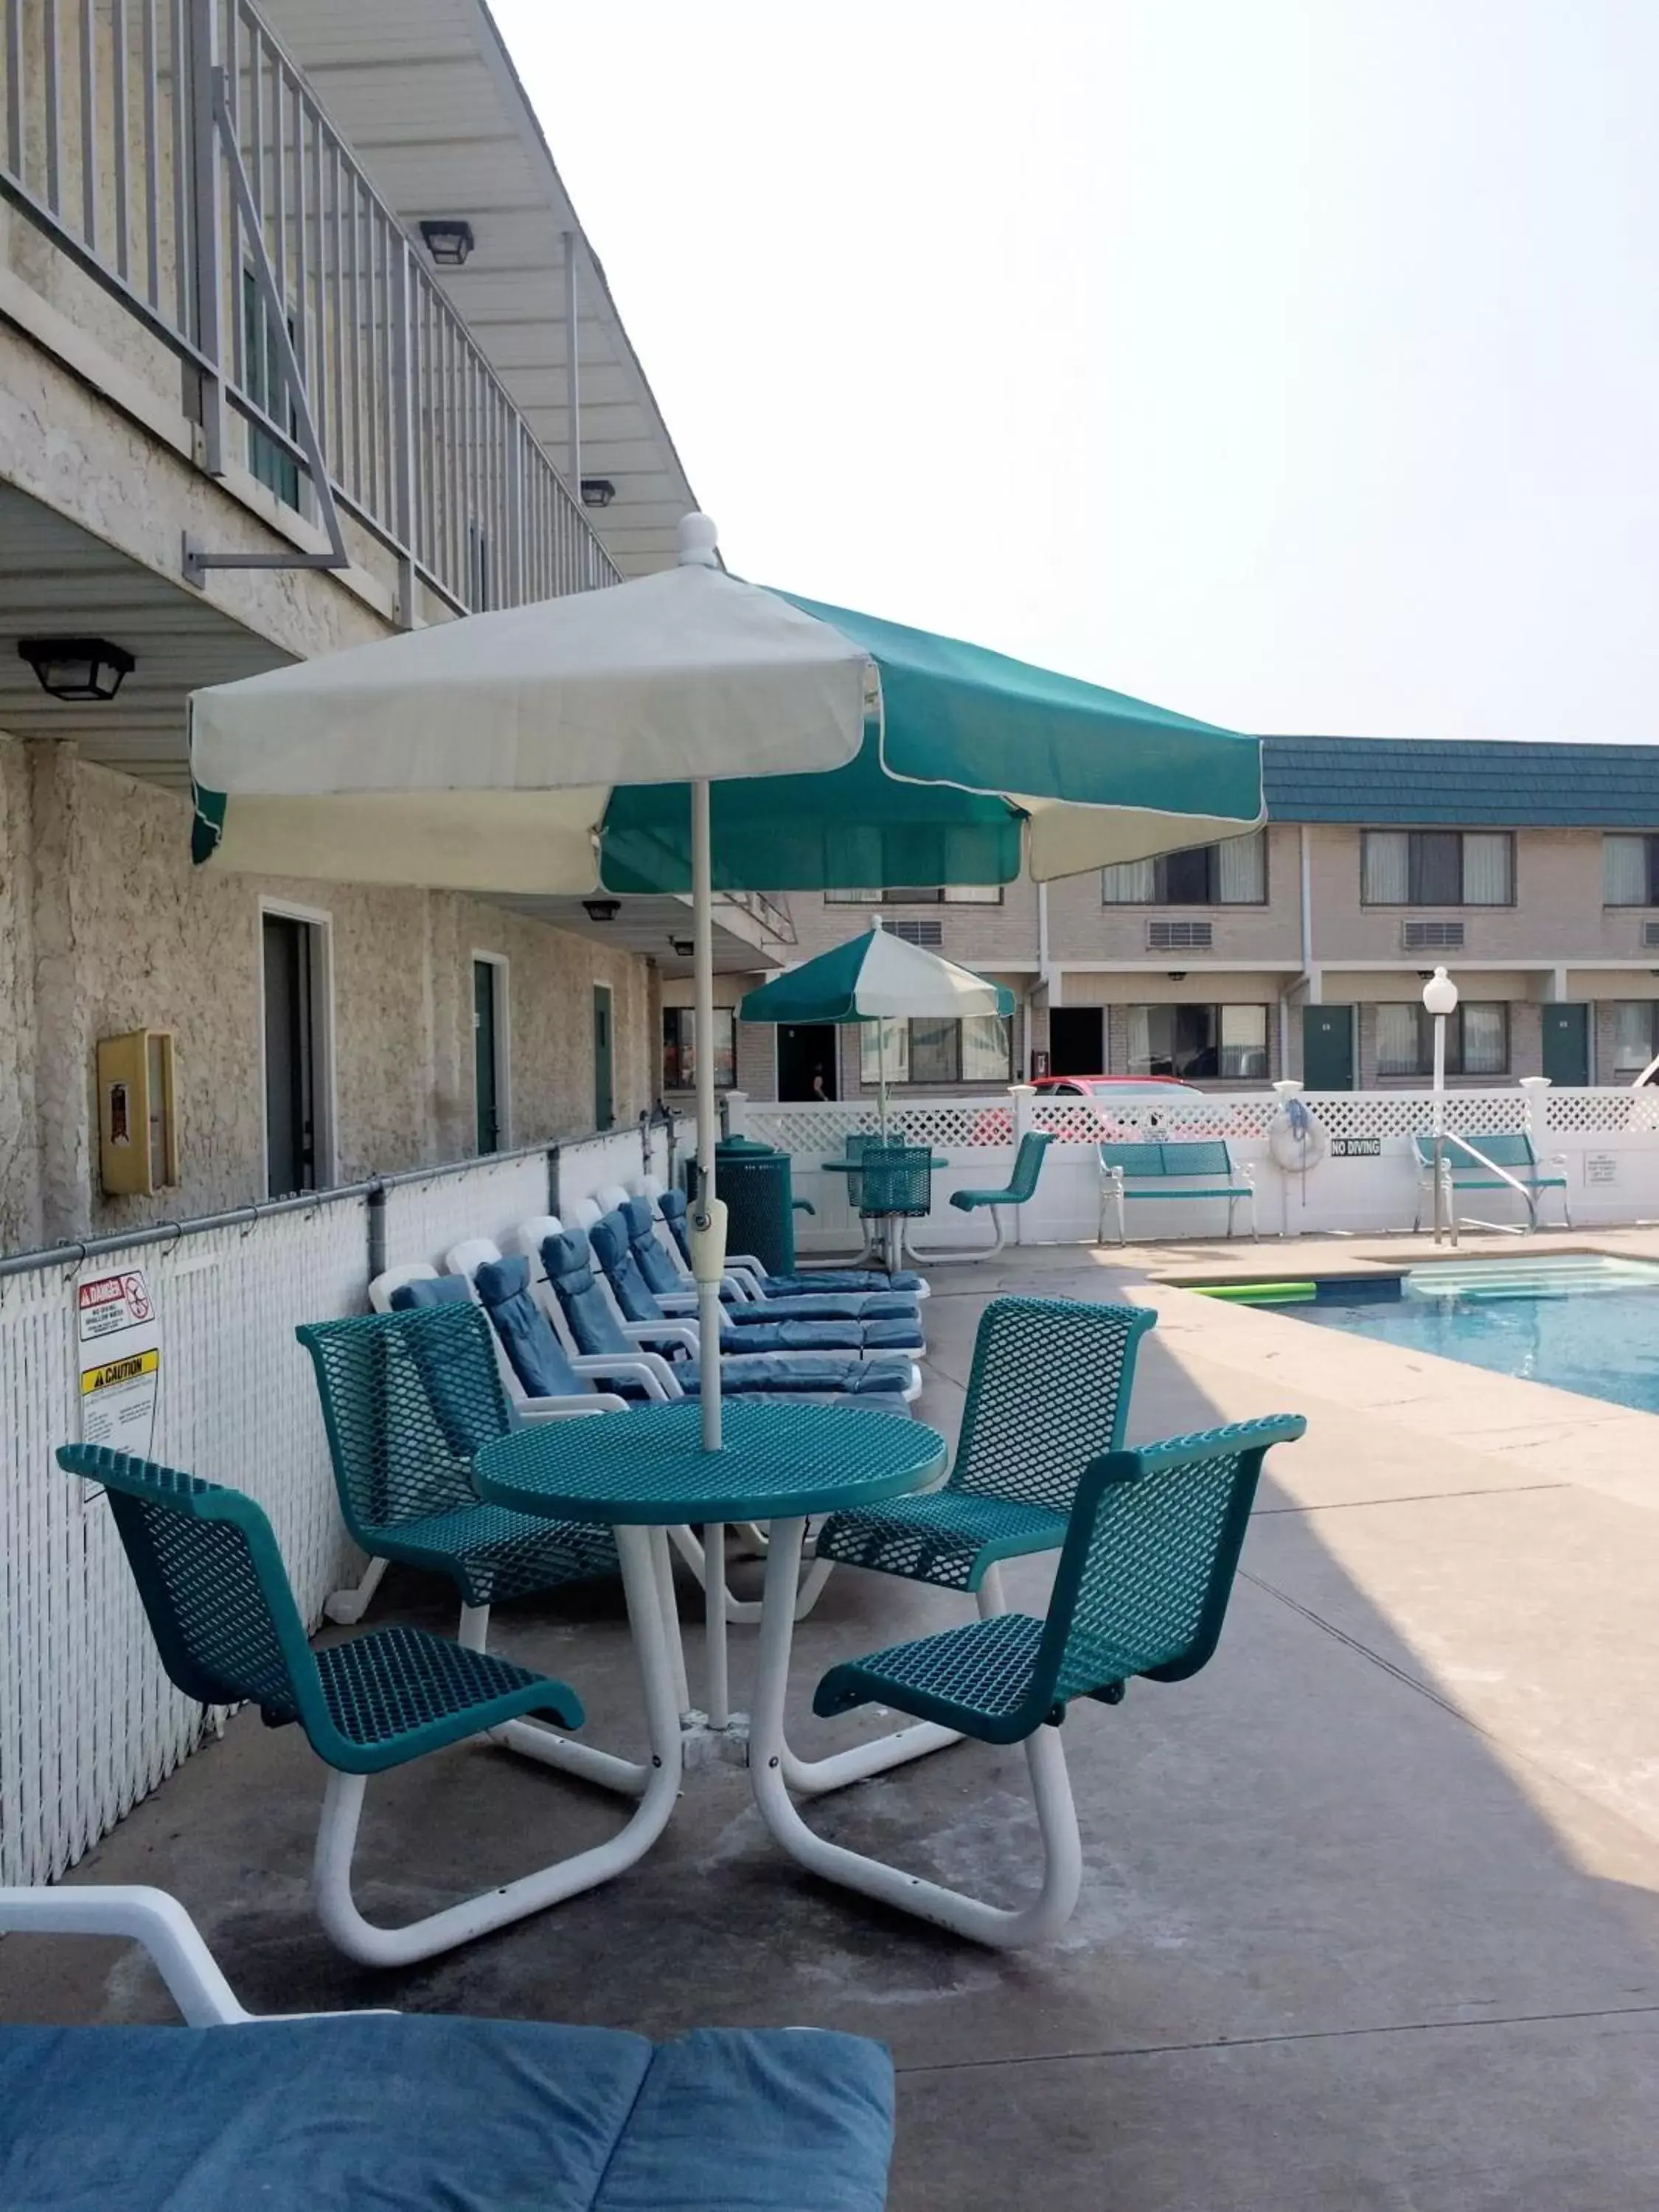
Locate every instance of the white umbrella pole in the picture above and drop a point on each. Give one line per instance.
(707, 1235)
(881, 1075)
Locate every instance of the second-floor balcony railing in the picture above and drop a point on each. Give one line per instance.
(173, 152)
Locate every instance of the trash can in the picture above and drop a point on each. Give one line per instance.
(755, 1182)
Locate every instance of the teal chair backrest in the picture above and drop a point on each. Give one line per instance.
(1180, 1157)
(1027, 1163)
(895, 1179)
(1147, 1566)
(212, 1584)
(407, 1399)
(1047, 1395)
(1509, 1149)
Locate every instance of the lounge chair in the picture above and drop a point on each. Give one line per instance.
(597, 1331)
(1141, 1589)
(426, 2110)
(746, 1329)
(672, 1206)
(213, 1585)
(669, 1282)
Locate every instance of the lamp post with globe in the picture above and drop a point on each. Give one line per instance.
(1440, 999)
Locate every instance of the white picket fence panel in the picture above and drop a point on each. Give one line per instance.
(88, 1721)
(1604, 1142)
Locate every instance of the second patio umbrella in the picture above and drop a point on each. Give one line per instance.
(879, 978)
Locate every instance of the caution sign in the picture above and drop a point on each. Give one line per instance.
(119, 1334)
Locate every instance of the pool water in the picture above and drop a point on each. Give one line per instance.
(1579, 1322)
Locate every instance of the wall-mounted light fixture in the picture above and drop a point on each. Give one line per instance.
(598, 491)
(601, 909)
(449, 239)
(683, 947)
(77, 667)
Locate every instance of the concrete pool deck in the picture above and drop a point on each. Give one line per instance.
(1371, 1916)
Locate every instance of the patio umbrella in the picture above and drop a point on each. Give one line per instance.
(877, 977)
(498, 752)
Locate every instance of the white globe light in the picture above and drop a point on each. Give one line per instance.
(1440, 994)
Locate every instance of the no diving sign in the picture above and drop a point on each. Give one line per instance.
(117, 1338)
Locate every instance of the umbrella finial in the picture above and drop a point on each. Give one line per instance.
(697, 541)
(875, 921)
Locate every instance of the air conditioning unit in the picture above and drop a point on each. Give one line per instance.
(930, 933)
(1179, 936)
(1649, 935)
(1431, 936)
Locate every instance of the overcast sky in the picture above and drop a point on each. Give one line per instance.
(1293, 362)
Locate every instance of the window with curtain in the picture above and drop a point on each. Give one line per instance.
(1438, 867)
(1635, 1035)
(920, 894)
(1231, 873)
(1630, 871)
(679, 1048)
(883, 1042)
(1477, 1039)
(1197, 1042)
(935, 1052)
(988, 1048)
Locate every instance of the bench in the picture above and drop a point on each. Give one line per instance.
(424, 2111)
(1171, 1171)
(1511, 1150)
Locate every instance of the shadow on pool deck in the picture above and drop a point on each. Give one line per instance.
(1369, 1914)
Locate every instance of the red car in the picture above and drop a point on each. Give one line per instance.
(997, 1127)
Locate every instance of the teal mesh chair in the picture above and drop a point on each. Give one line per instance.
(1021, 1186)
(896, 1182)
(224, 1619)
(1047, 1395)
(407, 1399)
(1141, 1591)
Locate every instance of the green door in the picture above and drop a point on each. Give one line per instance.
(486, 1058)
(1566, 1043)
(1327, 1047)
(605, 1101)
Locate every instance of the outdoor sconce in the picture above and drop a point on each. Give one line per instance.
(598, 491)
(1177, 976)
(602, 910)
(682, 947)
(448, 240)
(77, 667)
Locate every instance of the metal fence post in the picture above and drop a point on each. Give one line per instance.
(553, 1180)
(375, 1210)
(208, 299)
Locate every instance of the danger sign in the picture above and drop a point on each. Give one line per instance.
(119, 1334)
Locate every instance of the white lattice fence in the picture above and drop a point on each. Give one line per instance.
(1602, 1113)
(489, 1198)
(88, 1723)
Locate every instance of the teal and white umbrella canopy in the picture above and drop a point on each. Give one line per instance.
(688, 729)
(878, 977)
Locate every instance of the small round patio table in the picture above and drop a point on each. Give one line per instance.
(644, 1472)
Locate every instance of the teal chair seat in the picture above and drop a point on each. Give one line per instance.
(946, 1537)
(490, 1553)
(394, 1693)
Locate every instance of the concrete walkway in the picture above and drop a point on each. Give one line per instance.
(1370, 1917)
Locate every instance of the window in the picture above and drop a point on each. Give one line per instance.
(1477, 1039)
(679, 1048)
(1630, 871)
(267, 387)
(1438, 867)
(977, 1050)
(1232, 874)
(1635, 1034)
(1225, 1042)
(923, 894)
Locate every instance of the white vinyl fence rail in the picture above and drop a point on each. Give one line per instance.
(88, 1721)
(1604, 1142)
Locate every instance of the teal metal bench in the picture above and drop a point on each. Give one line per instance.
(1141, 1589)
(1171, 1171)
(217, 1597)
(1022, 1184)
(1511, 1150)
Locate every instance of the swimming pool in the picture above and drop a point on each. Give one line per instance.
(1580, 1322)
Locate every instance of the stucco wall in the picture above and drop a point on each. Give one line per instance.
(105, 928)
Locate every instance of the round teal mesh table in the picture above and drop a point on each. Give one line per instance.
(647, 1468)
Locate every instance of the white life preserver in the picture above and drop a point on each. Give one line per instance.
(1296, 1140)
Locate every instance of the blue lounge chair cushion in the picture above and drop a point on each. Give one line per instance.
(430, 1291)
(780, 1371)
(423, 2113)
(569, 1264)
(527, 1336)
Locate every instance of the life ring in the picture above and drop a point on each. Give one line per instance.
(1296, 1140)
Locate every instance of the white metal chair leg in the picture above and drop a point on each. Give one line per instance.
(347, 1606)
(998, 1241)
(1062, 1850)
(343, 1804)
(815, 1777)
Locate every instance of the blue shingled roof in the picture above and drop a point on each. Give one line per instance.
(1508, 786)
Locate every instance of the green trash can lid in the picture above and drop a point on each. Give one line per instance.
(744, 1145)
